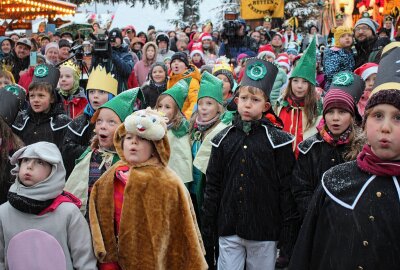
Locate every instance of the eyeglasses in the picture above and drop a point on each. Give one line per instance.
(362, 28)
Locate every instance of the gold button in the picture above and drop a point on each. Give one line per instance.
(333, 160)
(240, 201)
(360, 268)
(241, 174)
(372, 218)
(243, 160)
(34, 132)
(240, 188)
(379, 194)
(245, 147)
(365, 243)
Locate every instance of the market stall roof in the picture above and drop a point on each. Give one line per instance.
(31, 9)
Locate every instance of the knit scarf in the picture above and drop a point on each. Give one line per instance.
(201, 126)
(160, 87)
(27, 205)
(369, 162)
(328, 137)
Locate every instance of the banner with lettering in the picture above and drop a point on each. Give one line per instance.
(258, 9)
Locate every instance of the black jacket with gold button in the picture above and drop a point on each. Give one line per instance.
(353, 222)
(316, 156)
(34, 127)
(247, 190)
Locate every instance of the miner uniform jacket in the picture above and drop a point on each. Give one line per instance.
(353, 222)
(247, 190)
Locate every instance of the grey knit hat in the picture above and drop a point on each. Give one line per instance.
(371, 23)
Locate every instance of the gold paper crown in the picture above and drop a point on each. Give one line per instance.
(7, 67)
(71, 65)
(222, 66)
(101, 80)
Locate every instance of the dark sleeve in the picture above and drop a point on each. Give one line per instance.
(285, 160)
(212, 197)
(303, 184)
(123, 65)
(302, 253)
(222, 49)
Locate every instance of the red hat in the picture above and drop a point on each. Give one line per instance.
(366, 70)
(283, 60)
(266, 50)
(205, 36)
(280, 35)
(197, 48)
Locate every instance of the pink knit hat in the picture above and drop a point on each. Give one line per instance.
(51, 45)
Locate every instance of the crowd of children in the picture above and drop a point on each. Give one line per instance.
(204, 167)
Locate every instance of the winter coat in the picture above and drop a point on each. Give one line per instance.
(180, 160)
(315, 158)
(132, 80)
(161, 57)
(336, 60)
(368, 51)
(248, 186)
(151, 92)
(75, 104)
(280, 82)
(34, 127)
(17, 64)
(294, 120)
(56, 238)
(353, 222)
(76, 140)
(191, 100)
(142, 68)
(245, 45)
(120, 66)
(26, 78)
(157, 228)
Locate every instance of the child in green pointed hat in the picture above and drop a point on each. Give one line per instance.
(101, 154)
(300, 107)
(170, 103)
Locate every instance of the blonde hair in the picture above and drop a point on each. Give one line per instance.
(310, 102)
(221, 110)
(177, 116)
(254, 91)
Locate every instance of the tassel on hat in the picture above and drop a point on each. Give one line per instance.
(306, 67)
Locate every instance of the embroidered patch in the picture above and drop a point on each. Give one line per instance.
(256, 71)
(41, 71)
(343, 78)
(13, 89)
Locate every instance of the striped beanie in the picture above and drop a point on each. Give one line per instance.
(336, 98)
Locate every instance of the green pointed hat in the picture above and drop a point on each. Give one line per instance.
(179, 92)
(211, 86)
(306, 68)
(123, 104)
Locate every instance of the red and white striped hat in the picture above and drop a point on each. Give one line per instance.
(283, 60)
(197, 48)
(366, 70)
(205, 36)
(266, 50)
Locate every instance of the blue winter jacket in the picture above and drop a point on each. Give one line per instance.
(336, 60)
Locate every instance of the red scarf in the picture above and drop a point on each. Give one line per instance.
(369, 162)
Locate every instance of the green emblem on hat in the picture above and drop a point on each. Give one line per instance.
(256, 71)
(41, 71)
(343, 79)
(13, 89)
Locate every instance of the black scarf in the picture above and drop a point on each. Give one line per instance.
(158, 87)
(27, 205)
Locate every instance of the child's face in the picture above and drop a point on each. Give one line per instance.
(226, 85)
(150, 53)
(167, 105)
(346, 40)
(251, 106)
(338, 120)
(40, 100)
(106, 124)
(66, 80)
(369, 83)
(300, 87)
(136, 149)
(97, 98)
(4, 81)
(207, 108)
(196, 58)
(158, 74)
(6, 46)
(137, 46)
(383, 131)
(33, 171)
(178, 66)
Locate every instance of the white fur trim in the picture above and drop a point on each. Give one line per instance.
(368, 72)
(192, 53)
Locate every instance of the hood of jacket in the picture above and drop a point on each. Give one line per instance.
(146, 47)
(2, 38)
(50, 187)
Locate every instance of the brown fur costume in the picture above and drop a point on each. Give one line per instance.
(157, 230)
